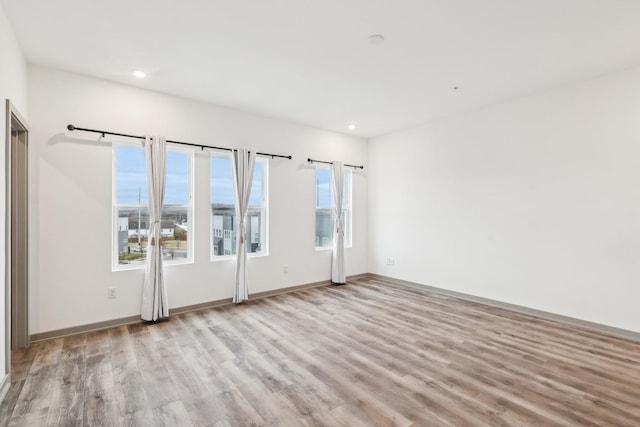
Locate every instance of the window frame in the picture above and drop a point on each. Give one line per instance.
(115, 208)
(264, 248)
(347, 210)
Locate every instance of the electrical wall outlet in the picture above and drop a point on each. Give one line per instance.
(285, 269)
(391, 262)
(111, 292)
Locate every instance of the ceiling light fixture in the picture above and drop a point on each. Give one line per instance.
(139, 74)
(351, 126)
(376, 39)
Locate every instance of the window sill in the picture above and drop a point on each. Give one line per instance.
(141, 266)
(328, 248)
(233, 257)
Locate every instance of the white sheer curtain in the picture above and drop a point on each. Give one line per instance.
(154, 294)
(243, 165)
(337, 257)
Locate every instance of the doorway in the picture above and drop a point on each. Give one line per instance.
(17, 229)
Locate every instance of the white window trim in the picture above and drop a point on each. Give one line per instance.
(348, 238)
(265, 207)
(115, 266)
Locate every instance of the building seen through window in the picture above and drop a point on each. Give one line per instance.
(224, 222)
(325, 207)
(131, 212)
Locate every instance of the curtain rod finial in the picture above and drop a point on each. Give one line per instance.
(71, 127)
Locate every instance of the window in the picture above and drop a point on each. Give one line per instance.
(223, 208)
(131, 213)
(325, 206)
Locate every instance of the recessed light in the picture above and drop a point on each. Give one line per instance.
(139, 74)
(351, 126)
(376, 39)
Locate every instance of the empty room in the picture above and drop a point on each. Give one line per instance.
(320, 213)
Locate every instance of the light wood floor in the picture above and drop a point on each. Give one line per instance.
(367, 354)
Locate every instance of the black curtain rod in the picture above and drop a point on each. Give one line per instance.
(330, 163)
(202, 147)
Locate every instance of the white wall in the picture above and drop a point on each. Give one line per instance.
(72, 185)
(534, 202)
(13, 86)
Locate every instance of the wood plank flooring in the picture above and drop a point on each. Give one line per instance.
(370, 353)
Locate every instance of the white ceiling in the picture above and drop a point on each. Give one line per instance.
(309, 61)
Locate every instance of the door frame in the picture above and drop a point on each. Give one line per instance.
(12, 113)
